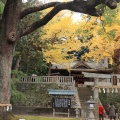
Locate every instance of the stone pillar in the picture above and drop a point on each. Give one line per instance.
(77, 112)
(53, 112)
(5, 111)
(96, 98)
(68, 113)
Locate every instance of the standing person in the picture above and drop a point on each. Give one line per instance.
(111, 111)
(101, 112)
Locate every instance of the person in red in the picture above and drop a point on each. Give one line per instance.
(101, 112)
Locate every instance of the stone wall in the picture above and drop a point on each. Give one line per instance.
(36, 100)
(37, 95)
(21, 110)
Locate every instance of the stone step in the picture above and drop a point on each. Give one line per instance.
(84, 95)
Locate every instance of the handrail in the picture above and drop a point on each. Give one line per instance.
(47, 79)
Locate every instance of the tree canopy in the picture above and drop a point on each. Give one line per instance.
(11, 31)
(104, 32)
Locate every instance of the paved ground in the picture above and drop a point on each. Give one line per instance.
(106, 119)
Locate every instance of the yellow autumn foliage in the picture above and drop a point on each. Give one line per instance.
(105, 38)
(60, 37)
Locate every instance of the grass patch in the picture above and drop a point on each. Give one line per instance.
(26, 117)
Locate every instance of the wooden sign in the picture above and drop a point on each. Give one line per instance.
(61, 103)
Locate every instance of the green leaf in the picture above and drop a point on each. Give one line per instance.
(112, 33)
(1, 7)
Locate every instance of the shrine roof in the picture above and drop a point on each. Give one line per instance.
(81, 66)
(76, 65)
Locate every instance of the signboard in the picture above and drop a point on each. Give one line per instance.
(114, 80)
(61, 103)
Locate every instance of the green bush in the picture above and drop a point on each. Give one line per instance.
(107, 98)
(16, 95)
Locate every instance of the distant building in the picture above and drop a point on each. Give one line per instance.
(76, 68)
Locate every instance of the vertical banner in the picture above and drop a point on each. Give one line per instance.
(114, 80)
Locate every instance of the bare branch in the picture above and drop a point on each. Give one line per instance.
(37, 8)
(76, 6)
(51, 14)
(44, 20)
(90, 4)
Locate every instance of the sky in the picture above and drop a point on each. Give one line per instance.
(76, 17)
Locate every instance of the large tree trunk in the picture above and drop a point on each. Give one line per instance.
(116, 59)
(6, 52)
(8, 36)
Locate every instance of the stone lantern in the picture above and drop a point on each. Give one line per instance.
(91, 109)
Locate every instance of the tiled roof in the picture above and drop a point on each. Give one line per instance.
(75, 65)
(79, 65)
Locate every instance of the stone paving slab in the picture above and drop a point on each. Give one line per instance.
(106, 118)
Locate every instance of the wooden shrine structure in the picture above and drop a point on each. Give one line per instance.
(76, 70)
(73, 76)
(80, 74)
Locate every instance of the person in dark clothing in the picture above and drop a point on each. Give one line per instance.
(111, 111)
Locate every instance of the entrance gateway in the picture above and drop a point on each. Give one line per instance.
(61, 99)
(103, 81)
(106, 81)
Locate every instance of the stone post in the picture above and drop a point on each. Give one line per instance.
(96, 98)
(77, 112)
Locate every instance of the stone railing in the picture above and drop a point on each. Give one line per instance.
(47, 79)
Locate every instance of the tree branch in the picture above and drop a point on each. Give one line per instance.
(61, 6)
(44, 20)
(86, 7)
(37, 8)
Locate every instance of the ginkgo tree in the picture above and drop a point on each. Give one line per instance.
(60, 38)
(105, 40)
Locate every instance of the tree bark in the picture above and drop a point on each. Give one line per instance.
(49, 68)
(6, 55)
(116, 60)
(8, 37)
